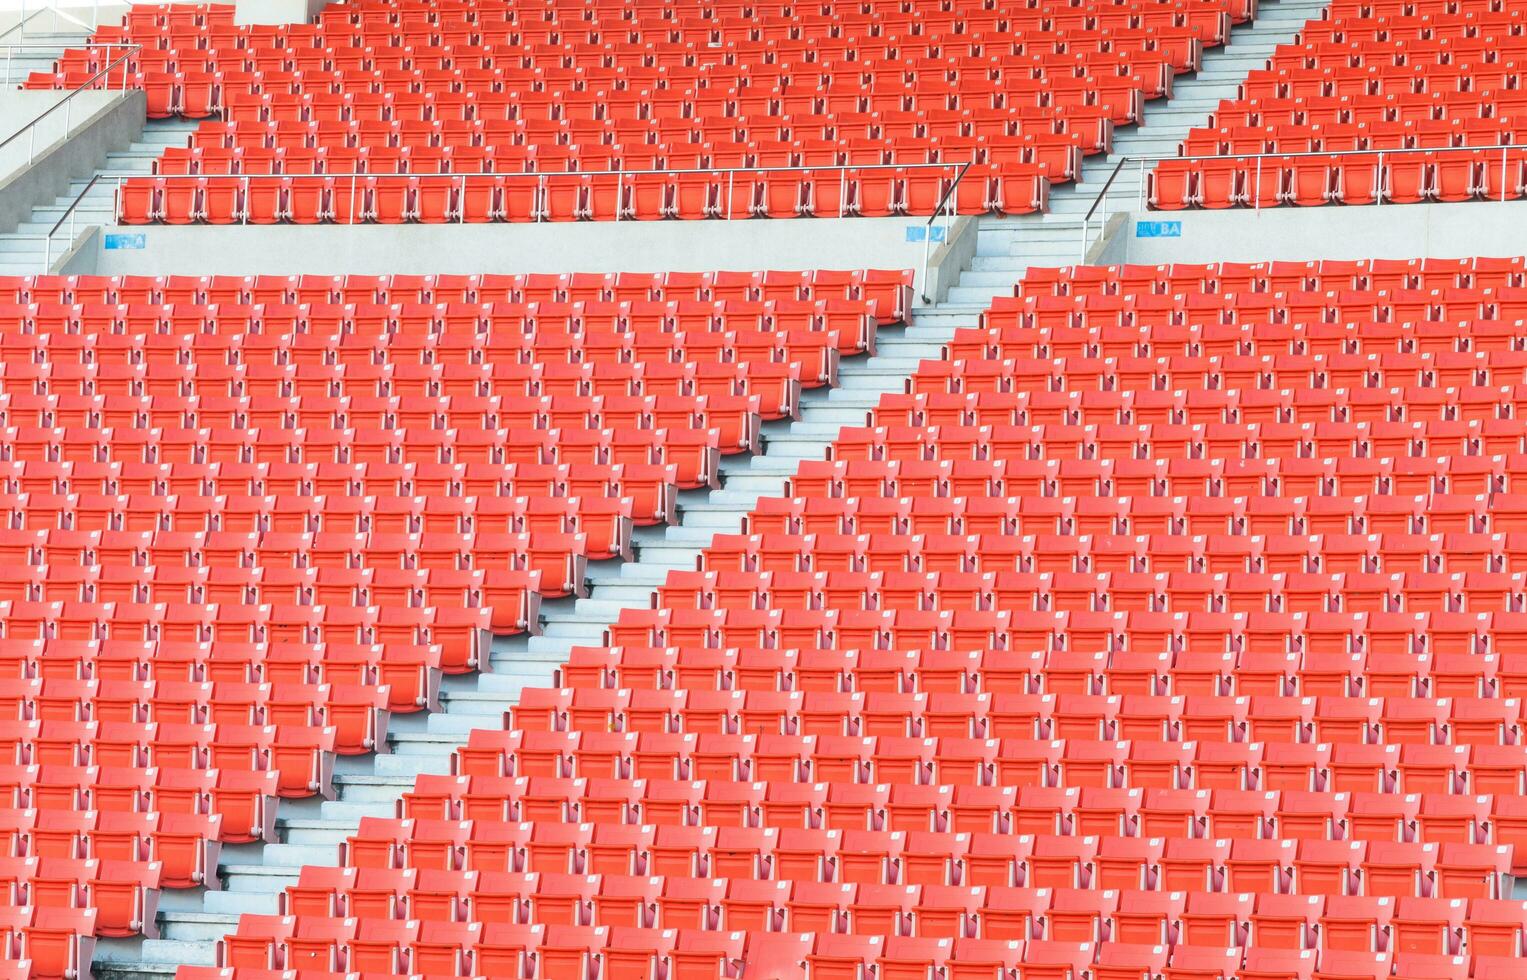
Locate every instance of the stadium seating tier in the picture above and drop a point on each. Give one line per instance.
(379, 112)
(1165, 627)
(1389, 103)
(246, 520)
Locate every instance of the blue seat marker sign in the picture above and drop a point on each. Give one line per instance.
(916, 233)
(129, 241)
(1158, 229)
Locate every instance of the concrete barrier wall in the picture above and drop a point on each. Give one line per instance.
(276, 11)
(1332, 232)
(102, 122)
(625, 246)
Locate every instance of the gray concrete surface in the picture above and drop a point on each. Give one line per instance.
(1332, 232)
(100, 122)
(276, 11)
(605, 246)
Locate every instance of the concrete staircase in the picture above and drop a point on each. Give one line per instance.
(310, 831)
(25, 251)
(36, 50)
(1009, 245)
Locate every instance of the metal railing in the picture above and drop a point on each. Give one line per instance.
(12, 48)
(1381, 187)
(1100, 204)
(67, 104)
(950, 197)
(68, 215)
(44, 7)
(360, 181)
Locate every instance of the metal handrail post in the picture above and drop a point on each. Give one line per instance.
(730, 174)
(1140, 193)
(949, 199)
(1378, 182)
(1503, 153)
(352, 200)
(1257, 189)
(842, 193)
(926, 241)
(620, 189)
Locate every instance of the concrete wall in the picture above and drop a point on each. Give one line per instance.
(1383, 231)
(19, 108)
(276, 11)
(950, 256)
(625, 246)
(101, 122)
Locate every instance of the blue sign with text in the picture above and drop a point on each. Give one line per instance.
(917, 233)
(1158, 229)
(136, 241)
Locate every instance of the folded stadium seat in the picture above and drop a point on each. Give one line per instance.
(1407, 177)
(137, 201)
(1309, 181)
(1171, 185)
(1219, 183)
(1360, 180)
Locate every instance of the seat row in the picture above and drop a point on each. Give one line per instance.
(559, 556)
(645, 484)
(408, 670)
(708, 389)
(970, 785)
(1120, 477)
(1194, 406)
(1390, 553)
(703, 434)
(446, 325)
(1412, 123)
(301, 756)
(600, 517)
(1215, 717)
(1129, 914)
(1406, 318)
(1278, 277)
(1487, 368)
(722, 368)
(967, 785)
(1116, 672)
(889, 291)
(614, 899)
(1272, 514)
(1337, 869)
(1358, 178)
(1403, 321)
(514, 952)
(293, 134)
(458, 631)
(314, 147)
(999, 189)
(1228, 441)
